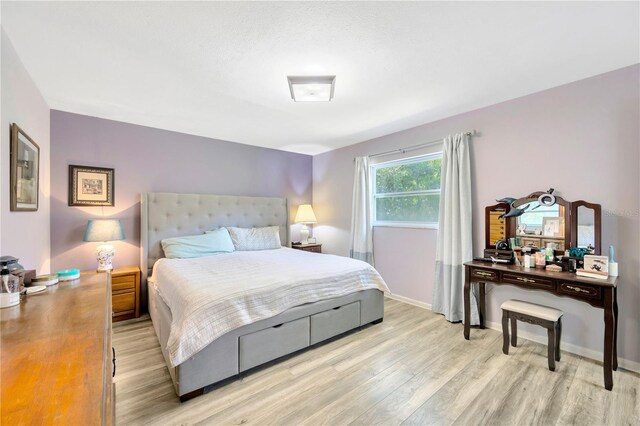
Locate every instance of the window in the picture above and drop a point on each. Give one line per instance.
(407, 192)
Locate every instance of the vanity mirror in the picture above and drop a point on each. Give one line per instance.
(496, 227)
(544, 221)
(586, 227)
(542, 226)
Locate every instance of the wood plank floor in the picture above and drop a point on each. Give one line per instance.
(413, 369)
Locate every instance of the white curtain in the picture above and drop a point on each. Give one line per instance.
(454, 231)
(361, 230)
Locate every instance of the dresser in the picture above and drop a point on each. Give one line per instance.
(599, 293)
(56, 355)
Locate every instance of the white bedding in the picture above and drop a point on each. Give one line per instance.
(210, 296)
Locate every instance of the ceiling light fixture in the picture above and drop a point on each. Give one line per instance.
(312, 88)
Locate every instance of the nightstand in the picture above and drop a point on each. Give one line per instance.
(125, 293)
(314, 248)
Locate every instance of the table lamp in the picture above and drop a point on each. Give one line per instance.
(305, 216)
(104, 230)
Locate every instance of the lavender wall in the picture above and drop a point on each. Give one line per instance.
(23, 234)
(148, 159)
(582, 138)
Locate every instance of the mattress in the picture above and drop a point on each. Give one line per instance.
(213, 295)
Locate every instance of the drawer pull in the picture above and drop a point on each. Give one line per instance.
(278, 326)
(484, 274)
(335, 309)
(114, 361)
(578, 289)
(526, 280)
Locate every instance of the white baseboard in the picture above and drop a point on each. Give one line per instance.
(409, 301)
(568, 347)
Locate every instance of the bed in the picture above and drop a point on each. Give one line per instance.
(261, 339)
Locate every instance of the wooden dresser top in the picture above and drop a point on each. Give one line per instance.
(52, 352)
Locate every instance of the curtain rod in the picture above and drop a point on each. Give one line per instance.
(414, 147)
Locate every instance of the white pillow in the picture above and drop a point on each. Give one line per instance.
(208, 244)
(248, 239)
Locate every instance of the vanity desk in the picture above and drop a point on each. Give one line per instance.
(534, 221)
(596, 292)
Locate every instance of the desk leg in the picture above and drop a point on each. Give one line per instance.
(467, 303)
(615, 332)
(609, 337)
(481, 304)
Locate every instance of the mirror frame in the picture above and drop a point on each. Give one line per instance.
(507, 222)
(597, 222)
(568, 225)
(570, 220)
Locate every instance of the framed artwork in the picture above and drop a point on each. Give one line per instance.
(530, 242)
(552, 227)
(559, 243)
(24, 174)
(90, 186)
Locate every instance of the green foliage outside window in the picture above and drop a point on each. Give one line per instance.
(418, 176)
(408, 192)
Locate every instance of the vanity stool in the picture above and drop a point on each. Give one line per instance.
(547, 317)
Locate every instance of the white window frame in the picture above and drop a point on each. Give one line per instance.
(375, 196)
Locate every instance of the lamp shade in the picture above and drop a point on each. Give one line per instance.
(305, 214)
(104, 230)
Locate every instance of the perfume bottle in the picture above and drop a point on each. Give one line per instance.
(527, 257)
(10, 291)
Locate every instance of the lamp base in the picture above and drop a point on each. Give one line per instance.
(105, 254)
(304, 234)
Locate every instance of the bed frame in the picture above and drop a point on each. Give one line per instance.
(165, 215)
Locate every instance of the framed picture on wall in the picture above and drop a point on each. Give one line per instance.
(90, 186)
(25, 169)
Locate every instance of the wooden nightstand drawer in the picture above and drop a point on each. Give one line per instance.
(314, 248)
(126, 282)
(125, 293)
(123, 303)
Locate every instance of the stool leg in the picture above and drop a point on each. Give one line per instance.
(505, 332)
(551, 347)
(514, 332)
(558, 334)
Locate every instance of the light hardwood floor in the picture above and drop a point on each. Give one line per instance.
(414, 368)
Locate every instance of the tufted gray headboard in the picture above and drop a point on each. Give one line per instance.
(165, 215)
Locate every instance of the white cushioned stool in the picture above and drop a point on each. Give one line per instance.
(547, 317)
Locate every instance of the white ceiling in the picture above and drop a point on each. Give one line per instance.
(219, 69)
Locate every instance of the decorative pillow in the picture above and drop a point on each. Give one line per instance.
(213, 242)
(248, 239)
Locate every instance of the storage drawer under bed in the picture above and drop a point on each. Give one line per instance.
(273, 342)
(327, 324)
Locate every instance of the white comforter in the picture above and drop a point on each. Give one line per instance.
(210, 296)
